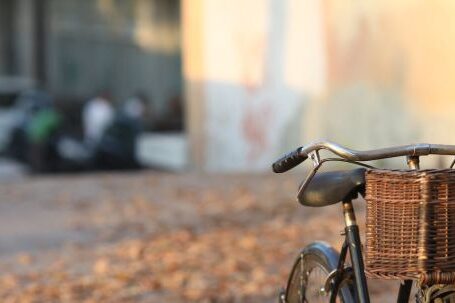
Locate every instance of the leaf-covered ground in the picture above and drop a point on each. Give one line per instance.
(155, 237)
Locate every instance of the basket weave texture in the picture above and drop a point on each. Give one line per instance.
(410, 225)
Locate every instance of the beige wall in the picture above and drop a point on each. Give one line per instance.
(240, 111)
(390, 70)
(275, 74)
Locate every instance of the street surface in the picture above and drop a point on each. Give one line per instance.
(157, 237)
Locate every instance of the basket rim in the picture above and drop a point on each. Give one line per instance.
(427, 171)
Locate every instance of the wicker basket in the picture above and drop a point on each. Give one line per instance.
(410, 226)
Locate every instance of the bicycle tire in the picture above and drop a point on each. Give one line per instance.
(300, 286)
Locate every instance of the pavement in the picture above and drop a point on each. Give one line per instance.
(11, 170)
(156, 237)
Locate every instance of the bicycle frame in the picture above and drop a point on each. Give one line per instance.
(353, 244)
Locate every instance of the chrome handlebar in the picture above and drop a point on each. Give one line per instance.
(294, 158)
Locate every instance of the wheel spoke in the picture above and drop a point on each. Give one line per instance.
(308, 278)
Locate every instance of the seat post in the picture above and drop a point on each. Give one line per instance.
(353, 240)
(413, 162)
(349, 215)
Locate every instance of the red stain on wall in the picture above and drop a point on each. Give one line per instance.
(255, 128)
(257, 116)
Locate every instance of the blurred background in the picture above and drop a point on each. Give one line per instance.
(193, 100)
(82, 84)
(222, 85)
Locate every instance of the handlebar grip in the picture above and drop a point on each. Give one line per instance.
(289, 161)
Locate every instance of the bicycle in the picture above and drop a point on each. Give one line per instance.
(320, 272)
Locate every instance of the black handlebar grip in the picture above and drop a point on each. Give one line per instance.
(289, 161)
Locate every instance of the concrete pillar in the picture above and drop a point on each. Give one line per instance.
(24, 38)
(6, 37)
(193, 71)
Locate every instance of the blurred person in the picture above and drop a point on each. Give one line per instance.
(43, 132)
(117, 146)
(27, 105)
(172, 120)
(34, 139)
(135, 107)
(139, 108)
(97, 114)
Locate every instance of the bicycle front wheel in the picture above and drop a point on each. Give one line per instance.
(309, 275)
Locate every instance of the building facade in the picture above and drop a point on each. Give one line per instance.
(264, 76)
(259, 77)
(74, 49)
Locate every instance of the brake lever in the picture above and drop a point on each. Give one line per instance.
(308, 179)
(314, 156)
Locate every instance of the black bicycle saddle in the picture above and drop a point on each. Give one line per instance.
(332, 187)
